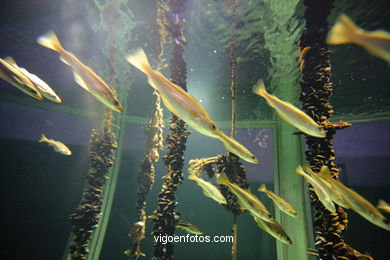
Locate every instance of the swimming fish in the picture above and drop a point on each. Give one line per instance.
(188, 227)
(359, 204)
(83, 75)
(186, 106)
(323, 196)
(39, 84)
(274, 229)
(16, 78)
(282, 204)
(383, 206)
(208, 189)
(345, 31)
(57, 145)
(290, 113)
(246, 199)
(334, 195)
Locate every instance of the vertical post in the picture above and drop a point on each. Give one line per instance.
(288, 185)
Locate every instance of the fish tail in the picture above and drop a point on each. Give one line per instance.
(43, 139)
(382, 204)
(342, 32)
(192, 177)
(263, 188)
(259, 88)
(140, 61)
(299, 171)
(10, 60)
(222, 179)
(50, 40)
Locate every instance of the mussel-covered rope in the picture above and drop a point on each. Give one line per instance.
(316, 90)
(166, 213)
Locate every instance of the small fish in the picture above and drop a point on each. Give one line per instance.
(383, 206)
(274, 229)
(345, 31)
(83, 75)
(16, 78)
(57, 145)
(323, 196)
(39, 84)
(335, 196)
(359, 204)
(208, 189)
(246, 199)
(188, 227)
(279, 202)
(290, 113)
(311, 251)
(186, 106)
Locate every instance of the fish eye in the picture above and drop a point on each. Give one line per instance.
(213, 127)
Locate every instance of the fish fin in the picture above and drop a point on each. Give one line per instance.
(10, 60)
(382, 204)
(262, 188)
(43, 138)
(64, 61)
(80, 81)
(49, 40)
(259, 88)
(343, 31)
(140, 61)
(222, 179)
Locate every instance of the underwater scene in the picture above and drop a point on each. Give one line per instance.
(195, 129)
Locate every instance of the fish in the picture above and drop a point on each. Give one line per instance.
(186, 107)
(208, 189)
(188, 227)
(274, 229)
(346, 31)
(358, 203)
(335, 196)
(311, 251)
(323, 196)
(16, 78)
(383, 206)
(246, 199)
(43, 88)
(282, 204)
(57, 145)
(83, 75)
(290, 113)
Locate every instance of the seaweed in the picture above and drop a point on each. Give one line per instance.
(316, 91)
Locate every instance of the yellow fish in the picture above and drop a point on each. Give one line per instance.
(333, 193)
(16, 78)
(208, 189)
(383, 206)
(246, 199)
(57, 145)
(323, 196)
(186, 106)
(188, 227)
(359, 204)
(282, 204)
(345, 31)
(83, 75)
(290, 113)
(39, 84)
(274, 229)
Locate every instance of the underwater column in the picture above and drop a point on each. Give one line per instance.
(166, 213)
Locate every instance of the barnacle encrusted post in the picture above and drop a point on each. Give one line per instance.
(316, 91)
(86, 216)
(146, 174)
(166, 213)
